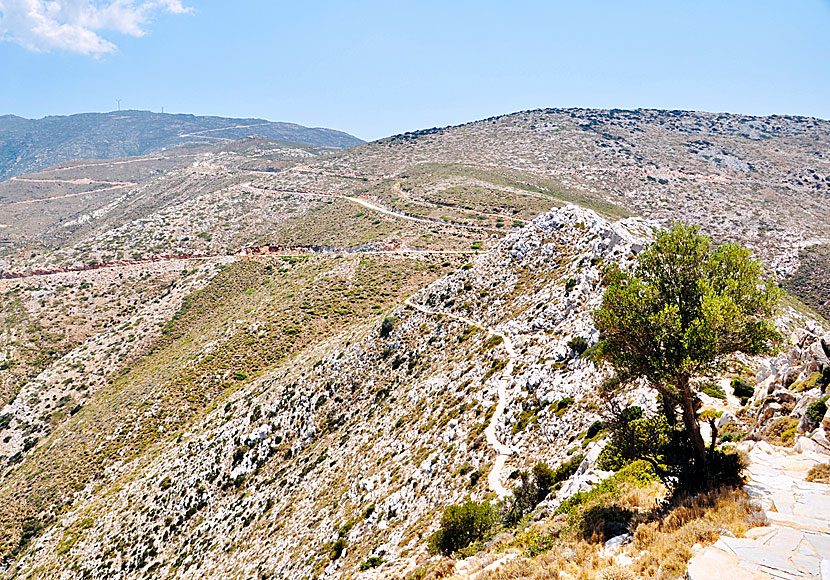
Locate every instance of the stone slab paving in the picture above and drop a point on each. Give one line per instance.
(795, 545)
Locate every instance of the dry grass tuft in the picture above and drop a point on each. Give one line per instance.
(579, 560)
(699, 519)
(443, 569)
(819, 473)
(616, 573)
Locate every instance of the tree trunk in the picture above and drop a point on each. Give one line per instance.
(690, 422)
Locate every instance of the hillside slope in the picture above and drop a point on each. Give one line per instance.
(28, 145)
(370, 429)
(268, 359)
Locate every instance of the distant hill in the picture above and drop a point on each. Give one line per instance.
(28, 145)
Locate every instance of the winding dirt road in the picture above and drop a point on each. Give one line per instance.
(376, 208)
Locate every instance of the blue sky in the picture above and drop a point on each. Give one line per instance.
(374, 68)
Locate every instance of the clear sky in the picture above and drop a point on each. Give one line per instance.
(374, 68)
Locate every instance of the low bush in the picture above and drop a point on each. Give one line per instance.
(599, 514)
(578, 344)
(338, 548)
(742, 390)
(816, 411)
(371, 562)
(386, 326)
(783, 430)
(714, 390)
(461, 525)
(595, 429)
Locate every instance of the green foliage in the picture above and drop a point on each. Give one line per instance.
(563, 405)
(816, 411)
(595, 429)
(666, 449)
(742, 390)
(578, 344)
(338, 548)
(461, 525)
(371, 562)
(713, 390)
(386, 326)
(567, 469)
(30, 528)
(534, 488)
(687, 305)
(596, 513)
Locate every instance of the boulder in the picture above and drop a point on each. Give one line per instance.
(805, 445)
(768, 410)
(825, 423)
(807, 399)
(715, 563)
(725, 419)
(819, 437)
(614, 545)
(784, 397)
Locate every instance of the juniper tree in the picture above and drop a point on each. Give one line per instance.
(684, 308)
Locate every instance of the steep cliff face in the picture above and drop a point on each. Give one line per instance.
(367, 435)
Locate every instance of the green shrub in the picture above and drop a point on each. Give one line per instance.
(568, 468)
(30, 528)
(338, 548)
(534, 488)
(563, 406)
(817, 410)
(714, 390)
(578, 344)
(461, 525)
(371, 562)
(386, 326)
(596, 513)
(742, 390)
(595, 429)
(667, 449)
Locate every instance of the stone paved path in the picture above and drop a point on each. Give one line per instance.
(795, 544)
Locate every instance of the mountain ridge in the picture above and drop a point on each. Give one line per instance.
(29, 145)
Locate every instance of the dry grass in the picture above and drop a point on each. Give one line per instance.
(580, 560)
(782, 431)
(666, 542)
(819, 473)
(699, 519)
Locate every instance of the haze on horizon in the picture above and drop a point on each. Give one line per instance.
(377, 69)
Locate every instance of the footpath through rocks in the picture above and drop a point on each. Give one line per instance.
(795, 543)
(502, 451)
